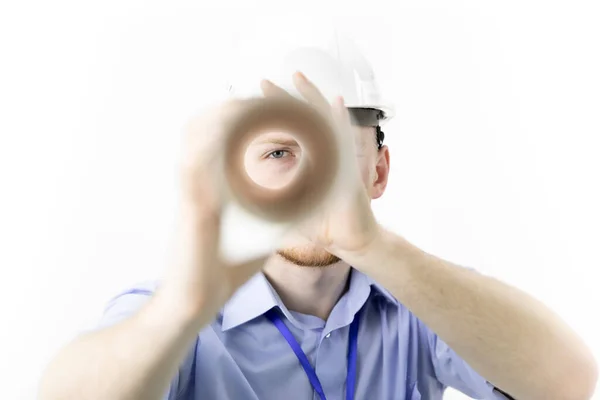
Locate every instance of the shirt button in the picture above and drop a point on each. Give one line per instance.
(327, 336)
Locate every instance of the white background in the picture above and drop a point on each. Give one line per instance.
(494, 150)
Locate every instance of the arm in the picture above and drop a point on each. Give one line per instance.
(134, 359)
(508, 337)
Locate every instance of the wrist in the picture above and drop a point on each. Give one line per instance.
(170, 307)
(386, 252)
(372, 254)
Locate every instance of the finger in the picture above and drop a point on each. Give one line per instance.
(310, 92)
(348, 137)
(344, 124)
(203, 134)
(239, 274)
(341, 114)
(270, 89)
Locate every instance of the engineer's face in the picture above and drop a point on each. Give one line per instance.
(272, 159)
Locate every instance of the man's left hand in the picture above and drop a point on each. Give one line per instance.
(346, 226)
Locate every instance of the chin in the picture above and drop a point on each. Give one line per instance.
(308, 256)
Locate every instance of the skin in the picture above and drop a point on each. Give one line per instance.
(510, 338)
(272, 161)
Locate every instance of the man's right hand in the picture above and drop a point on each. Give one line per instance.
(137, 357)
(198, 281)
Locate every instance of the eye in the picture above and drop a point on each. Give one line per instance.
(277, 154)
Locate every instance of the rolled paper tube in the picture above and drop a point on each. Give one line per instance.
(318, 166)
(255, 218)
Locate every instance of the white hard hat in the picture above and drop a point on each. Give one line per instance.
(338, 69)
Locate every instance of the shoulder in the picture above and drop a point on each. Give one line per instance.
(127, 302)
(431, 356)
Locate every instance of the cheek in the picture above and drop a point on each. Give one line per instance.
(365, 175)
(367, 171)
(271, 174)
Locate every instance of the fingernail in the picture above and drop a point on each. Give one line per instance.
(301, 75)
(266, 85)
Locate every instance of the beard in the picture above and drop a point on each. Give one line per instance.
(308, 256)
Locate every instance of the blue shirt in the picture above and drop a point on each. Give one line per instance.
(241, 354)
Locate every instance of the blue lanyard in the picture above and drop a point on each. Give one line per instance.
(275, 318)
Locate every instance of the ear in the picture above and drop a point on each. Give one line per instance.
(382, 172)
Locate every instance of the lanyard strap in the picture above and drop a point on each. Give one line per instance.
(275, 318)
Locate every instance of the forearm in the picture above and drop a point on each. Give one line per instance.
(135, 359)
(507, 336)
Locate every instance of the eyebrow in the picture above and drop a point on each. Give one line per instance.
(277, 141)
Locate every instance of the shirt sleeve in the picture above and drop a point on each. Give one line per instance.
(126, 305)
(452, 371)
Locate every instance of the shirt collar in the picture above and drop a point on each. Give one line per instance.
(257, 296)
(251, 300)
(378, 289)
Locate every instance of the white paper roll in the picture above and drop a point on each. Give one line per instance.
(245, 236)
(255, 219)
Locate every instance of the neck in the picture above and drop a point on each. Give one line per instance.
(308, 290)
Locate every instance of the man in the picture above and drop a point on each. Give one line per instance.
(345, 310)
